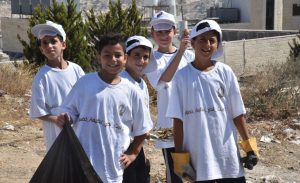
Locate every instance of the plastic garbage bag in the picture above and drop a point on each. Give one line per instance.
(66, 162)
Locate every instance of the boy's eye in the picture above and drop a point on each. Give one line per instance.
(48, 41)
(145, 57)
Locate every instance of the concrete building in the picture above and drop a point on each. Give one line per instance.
(265, 14)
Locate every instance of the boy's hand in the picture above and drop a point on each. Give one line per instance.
(182, 167)
(250, 147)
(185, 40)
(62, 119)
(250, 160)
(127, 159)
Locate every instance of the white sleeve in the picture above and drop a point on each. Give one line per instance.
(142, 122)
(175, 105)
(154, 77)
(235, 97)
(38, 106)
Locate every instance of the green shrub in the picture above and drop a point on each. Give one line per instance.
(127, 21)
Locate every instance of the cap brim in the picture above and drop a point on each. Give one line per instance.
(162, 26)
(44, 28)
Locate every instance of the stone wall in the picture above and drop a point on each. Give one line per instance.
(11, 27)
(246, 57)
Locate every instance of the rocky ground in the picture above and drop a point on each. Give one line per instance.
(22, 148)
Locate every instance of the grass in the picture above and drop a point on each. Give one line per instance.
(15, 79)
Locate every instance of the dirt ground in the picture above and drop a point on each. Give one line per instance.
(22, 148)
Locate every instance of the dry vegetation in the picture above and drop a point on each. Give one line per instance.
(15, 79)
(273, 93)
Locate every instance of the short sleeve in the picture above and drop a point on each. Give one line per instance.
(38, 106)
(142, 122)
(235, 97)
(175, 105)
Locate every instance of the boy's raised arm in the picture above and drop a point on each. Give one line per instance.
(172, 67)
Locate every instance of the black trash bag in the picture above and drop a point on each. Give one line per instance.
(66, 162)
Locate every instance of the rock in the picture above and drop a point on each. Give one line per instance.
(2, 92)
(265, 139)
(8, 127)
(271, 179)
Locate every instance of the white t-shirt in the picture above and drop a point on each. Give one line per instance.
(207, 102)
(104, 117)
(163, 90)
(49, 87)
(140, 86)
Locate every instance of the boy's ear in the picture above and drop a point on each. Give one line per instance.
(126, 57)
(175, 30)
(64, 44)
(152, 32)
(41, 50)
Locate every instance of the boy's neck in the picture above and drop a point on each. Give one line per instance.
(169, 49)
(58, 64)
(136, 77)
(112, 79)
(204, 66)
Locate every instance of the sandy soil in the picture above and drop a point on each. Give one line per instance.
(22, 149)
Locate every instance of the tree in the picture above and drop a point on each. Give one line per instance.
(78, 50)
(127, 21)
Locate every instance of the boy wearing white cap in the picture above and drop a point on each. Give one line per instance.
(140, 60)
(109, 115)
(53, 81)
(208, 113)
(169, 59)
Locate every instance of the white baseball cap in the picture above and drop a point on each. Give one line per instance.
(162, 21)
(136, 41)
(48, 29)
(205, 26)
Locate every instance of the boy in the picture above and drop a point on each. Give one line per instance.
(53, 81)
(140, 60)
(107, 111)
(169, 59)
(208, 111)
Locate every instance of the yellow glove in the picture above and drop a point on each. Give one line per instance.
(250, 145)
(182, 167)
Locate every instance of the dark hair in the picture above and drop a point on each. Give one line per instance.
(110, 39)
(57, 35)
(140, 46)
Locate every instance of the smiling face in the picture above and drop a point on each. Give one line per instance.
(138, 59)
(163, 38)
(52, 47)
(112, 60)
(205, 45)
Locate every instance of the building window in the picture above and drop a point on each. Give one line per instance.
(296, 9)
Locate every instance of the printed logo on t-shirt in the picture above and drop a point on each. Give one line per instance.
(122, 109)
(101, 122)
(202, 109)
(220, 92)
